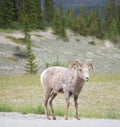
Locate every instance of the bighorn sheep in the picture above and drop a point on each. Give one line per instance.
(64, 80)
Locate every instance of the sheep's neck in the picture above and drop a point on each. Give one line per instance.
(79, 82)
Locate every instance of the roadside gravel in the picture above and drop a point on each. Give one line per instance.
(32, 120)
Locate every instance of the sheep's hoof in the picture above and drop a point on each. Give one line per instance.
(54, 118)
(65, 117)
(48, 118)
(77, 117)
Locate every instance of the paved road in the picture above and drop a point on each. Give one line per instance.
(31, 120)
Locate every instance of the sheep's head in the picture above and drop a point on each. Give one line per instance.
(82, 68)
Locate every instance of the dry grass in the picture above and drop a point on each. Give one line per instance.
(16, 40)
(99, 98)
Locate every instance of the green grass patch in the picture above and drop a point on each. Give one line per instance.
(12, 59)
(109, 77)
(60, 111)
(5, 108)
(7, 30)
(111, 114)
(39, 109)
(99, 97)
(20, 41)
(57, 62)
(38, 35)
(16, 40)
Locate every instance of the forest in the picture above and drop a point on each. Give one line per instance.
(38, 14)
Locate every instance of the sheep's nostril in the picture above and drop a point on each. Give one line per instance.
(87, 78)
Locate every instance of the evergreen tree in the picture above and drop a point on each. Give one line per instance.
(68, 20)
(118, 19)
(92, 23)
(63, 33)
(28, 20)
(17, 5)
(110, 13)
(61, 9)
(99, 27)
(112, 19)
(75, 24)
(62, 27)
(118, 11)
(49, 10)
(83, 20)
(114, 32)
(73, 21)
(56, 22)
(27, 13)
(30, 65)
(7, 15)
(1, 14)
(59, 23)
(118, 26)
(40, 20)
(95, 24)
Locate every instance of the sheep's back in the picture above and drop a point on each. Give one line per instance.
(52, 76)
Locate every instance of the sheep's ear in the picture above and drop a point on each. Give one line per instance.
(90, 64)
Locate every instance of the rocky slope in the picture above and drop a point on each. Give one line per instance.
(47, 47)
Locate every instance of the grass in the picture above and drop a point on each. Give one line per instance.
(38, 109)
(20, 41)
(105, 77)
(37, 35)
(99, 97)
(7, 30)
(16, 40)
(57, 62)
(5, 108)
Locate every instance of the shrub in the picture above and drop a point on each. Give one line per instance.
(21, 53)
(57, 62)
(91, 42)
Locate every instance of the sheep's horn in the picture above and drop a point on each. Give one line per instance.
(90, 64)
(75, 62)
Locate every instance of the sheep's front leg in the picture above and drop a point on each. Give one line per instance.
(76, 107)
(67, 104)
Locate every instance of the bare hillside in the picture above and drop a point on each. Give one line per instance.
(47, 47)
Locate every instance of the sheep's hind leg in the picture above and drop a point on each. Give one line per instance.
(51, 105)
(47, 96)
(67, 105)
(76, 107)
